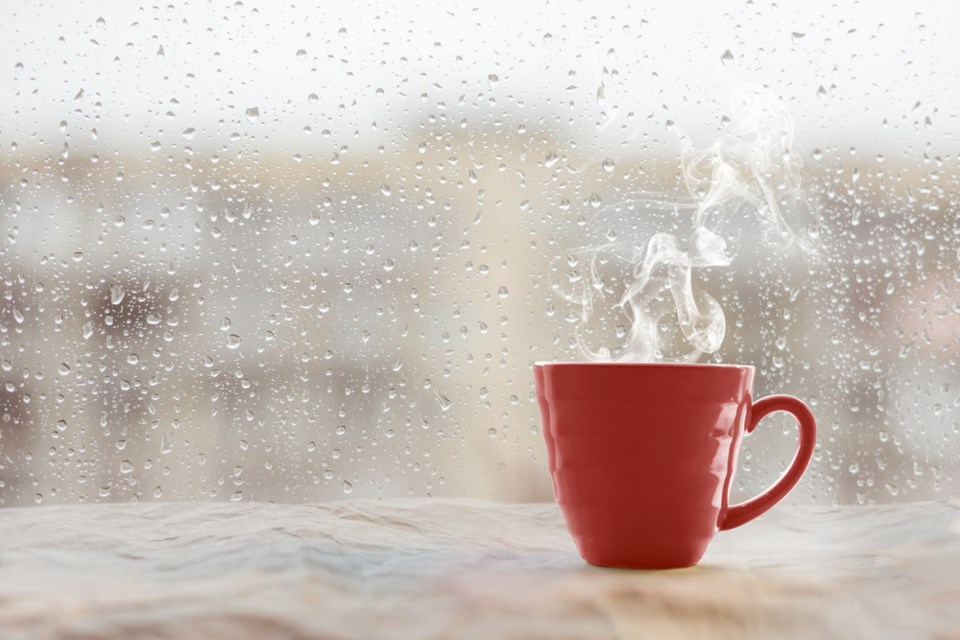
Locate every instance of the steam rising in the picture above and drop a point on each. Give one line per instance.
(747, 177)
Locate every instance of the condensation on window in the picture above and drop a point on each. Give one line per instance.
(264, 252)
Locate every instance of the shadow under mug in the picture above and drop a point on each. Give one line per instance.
(642, 455)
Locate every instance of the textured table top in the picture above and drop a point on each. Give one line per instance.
(464, 569)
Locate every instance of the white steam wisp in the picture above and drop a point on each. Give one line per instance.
(747, 176)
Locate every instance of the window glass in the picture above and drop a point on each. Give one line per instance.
(254, 251)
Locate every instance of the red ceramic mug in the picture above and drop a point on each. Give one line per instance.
(642, 455)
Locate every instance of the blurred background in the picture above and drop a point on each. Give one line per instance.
(293, 253)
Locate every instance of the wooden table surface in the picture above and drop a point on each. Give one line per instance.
(464, 569)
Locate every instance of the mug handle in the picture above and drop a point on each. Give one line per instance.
(744, 512)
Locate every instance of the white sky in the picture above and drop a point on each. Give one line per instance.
(884, 67)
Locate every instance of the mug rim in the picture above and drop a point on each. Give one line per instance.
(657, 365)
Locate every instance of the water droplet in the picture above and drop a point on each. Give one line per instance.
(493, 79)
(133, 358)
(301, 54)
(253, 114)
(503, 292)
(595, 200)
(727, 57)
(64, 370)
(608, 165)
(342, 32)
(233, 342)
(126, 467)
(346, 487)
(225, 324)
(442, 400)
